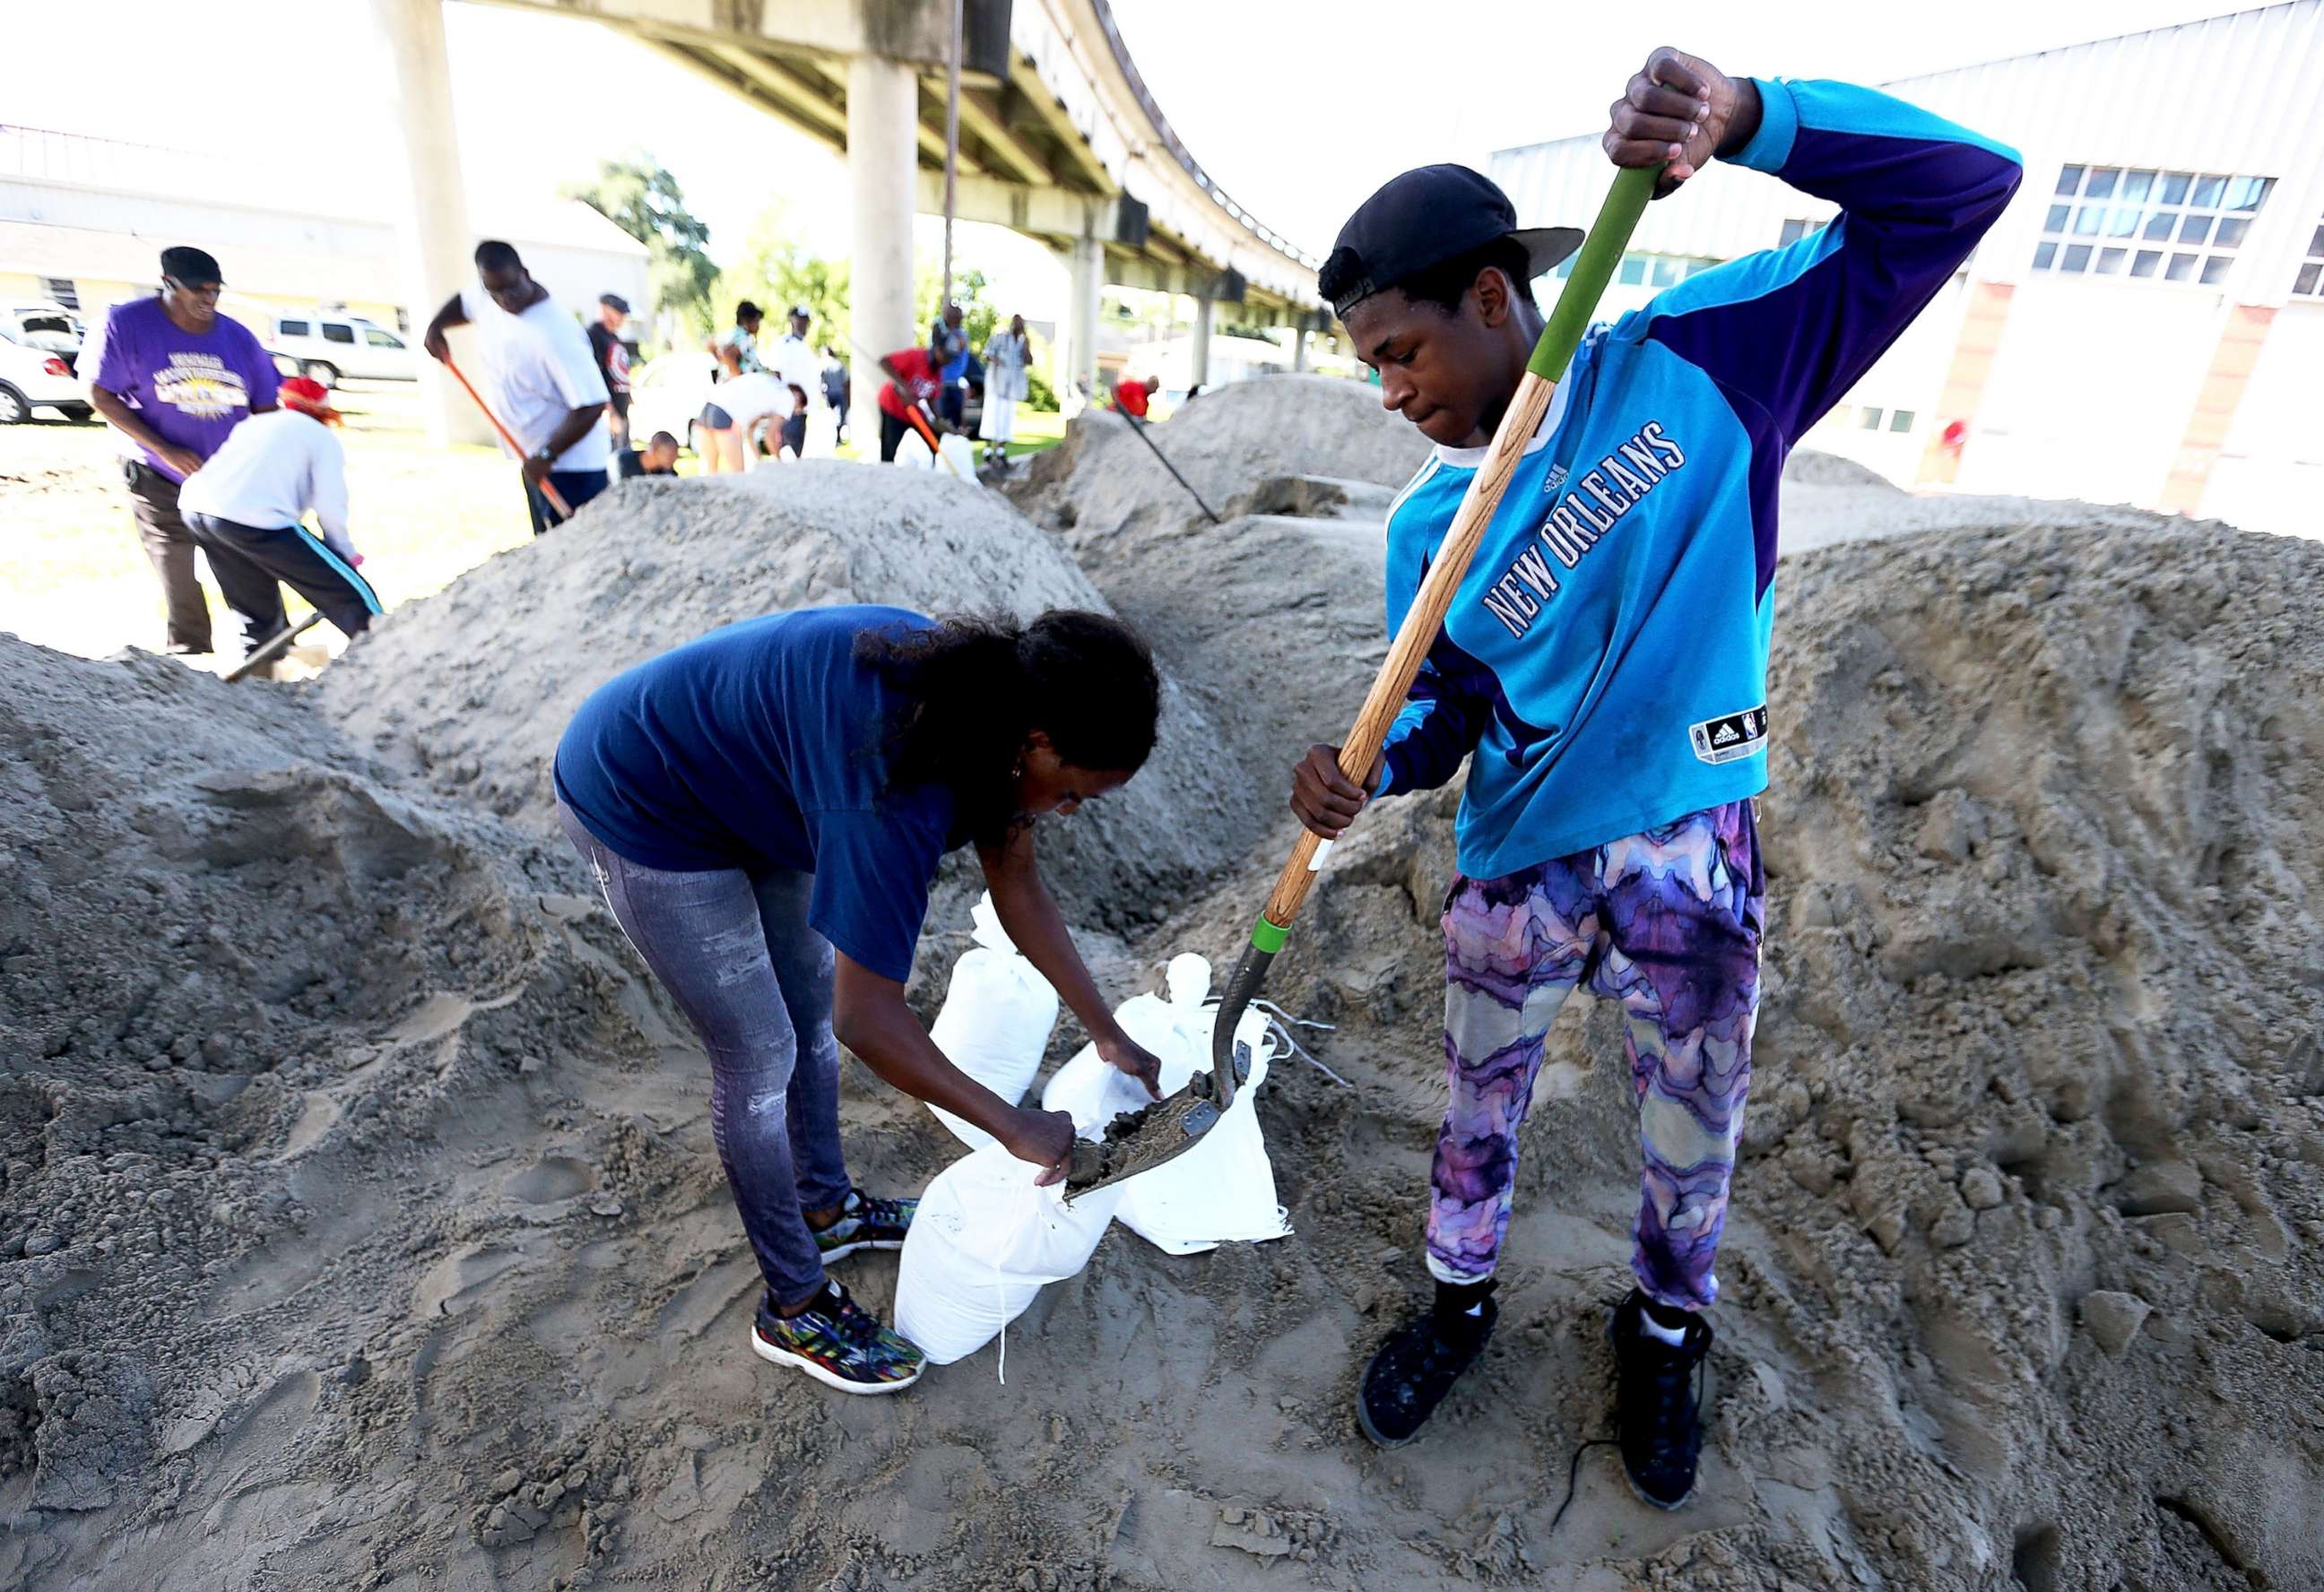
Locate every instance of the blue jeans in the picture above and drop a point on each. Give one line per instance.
(576, 487)
(734, 950)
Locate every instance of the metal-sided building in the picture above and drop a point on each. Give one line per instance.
(2145, 323)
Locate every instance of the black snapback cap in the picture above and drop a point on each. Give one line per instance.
(1425, 217)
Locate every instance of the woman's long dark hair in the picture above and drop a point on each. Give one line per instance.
(977, 685)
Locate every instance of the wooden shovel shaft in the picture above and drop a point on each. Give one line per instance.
(556, 501)
(1559, 338)
(1418, 633)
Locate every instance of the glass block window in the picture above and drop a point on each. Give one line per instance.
(2310, 282)
(2173, 226)
(1639, 269)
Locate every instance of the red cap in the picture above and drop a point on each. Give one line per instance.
(308, 397)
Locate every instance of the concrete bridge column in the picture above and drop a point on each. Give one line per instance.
(1299, 348)
(1076, 351)
(882, 122)
(1201, 359)
(433, 225)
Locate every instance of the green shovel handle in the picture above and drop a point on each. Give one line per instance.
(1593, 268)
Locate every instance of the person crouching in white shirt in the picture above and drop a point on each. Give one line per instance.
(245, 508)
(736, 406)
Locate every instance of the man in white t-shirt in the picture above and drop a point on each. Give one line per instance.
(540, 376)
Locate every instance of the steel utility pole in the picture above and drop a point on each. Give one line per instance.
(952, 151)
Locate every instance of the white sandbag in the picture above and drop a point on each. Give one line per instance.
(956, 455)
(982, 1243)
(996, 1018)
(959, 455)
(1224, 1189)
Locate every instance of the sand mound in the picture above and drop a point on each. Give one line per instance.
(1808, 467)
(363, 1228)
(1227, 443)
(2025, 1274)
(472, 687)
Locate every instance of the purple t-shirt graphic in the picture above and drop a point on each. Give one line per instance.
(191, 388)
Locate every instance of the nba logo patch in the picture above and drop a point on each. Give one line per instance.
(1729, 736)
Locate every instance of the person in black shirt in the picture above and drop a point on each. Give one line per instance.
(613, 359)
(658, 457)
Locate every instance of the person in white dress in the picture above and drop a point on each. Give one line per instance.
(1007, 356)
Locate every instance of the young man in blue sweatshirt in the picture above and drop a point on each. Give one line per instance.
(1603, 666)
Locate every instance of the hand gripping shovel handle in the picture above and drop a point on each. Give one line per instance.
(556, 502)
(1562, 334)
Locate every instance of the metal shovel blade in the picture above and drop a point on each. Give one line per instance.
(1137, 1142)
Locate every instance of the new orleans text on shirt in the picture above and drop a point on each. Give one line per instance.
(1579, 520)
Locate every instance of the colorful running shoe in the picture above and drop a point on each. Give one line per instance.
(837, 1342)
(866, 1224)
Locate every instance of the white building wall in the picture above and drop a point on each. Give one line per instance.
(2090, 389)
(2095, 377)
(2269, 472)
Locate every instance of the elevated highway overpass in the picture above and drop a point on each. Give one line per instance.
(1059, 140)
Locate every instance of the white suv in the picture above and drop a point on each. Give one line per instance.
(328, 345)
(40, 346)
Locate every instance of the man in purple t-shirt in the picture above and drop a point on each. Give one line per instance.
(174, 376)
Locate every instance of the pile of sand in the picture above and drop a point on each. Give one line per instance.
(472, 688)
(362, 1226)
(2025, 1274)
(1228, 443)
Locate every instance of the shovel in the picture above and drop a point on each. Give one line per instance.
(556, 501)
(1139, 1141)
(1139, 425)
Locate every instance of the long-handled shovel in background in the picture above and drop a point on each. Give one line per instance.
(1139, 425)
(273, 646)
(1169, 1127)
(546, 490)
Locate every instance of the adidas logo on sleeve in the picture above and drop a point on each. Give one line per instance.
(1734, 735)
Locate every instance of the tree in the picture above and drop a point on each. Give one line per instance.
(644, 200)
(778, 270)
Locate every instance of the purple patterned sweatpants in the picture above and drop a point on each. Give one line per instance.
(1667, 922)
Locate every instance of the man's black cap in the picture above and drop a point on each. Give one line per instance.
(191, 265)
(614, 301)
(1429, 216)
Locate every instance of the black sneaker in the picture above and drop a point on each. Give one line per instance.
(1659, 1403)
(1414, 1369)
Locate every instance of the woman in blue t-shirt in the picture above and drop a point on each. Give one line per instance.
(765, 809)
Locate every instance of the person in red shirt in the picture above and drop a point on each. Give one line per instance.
(1130, 395)
(913, 382)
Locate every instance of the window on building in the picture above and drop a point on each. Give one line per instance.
(1869, 418)
(2310, 282)
(1634, 270)
(291, 328)
(333, 332)
(2183, 227)
(379, 339)
(1794, 229)
(1900, 419)
(60, 290)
